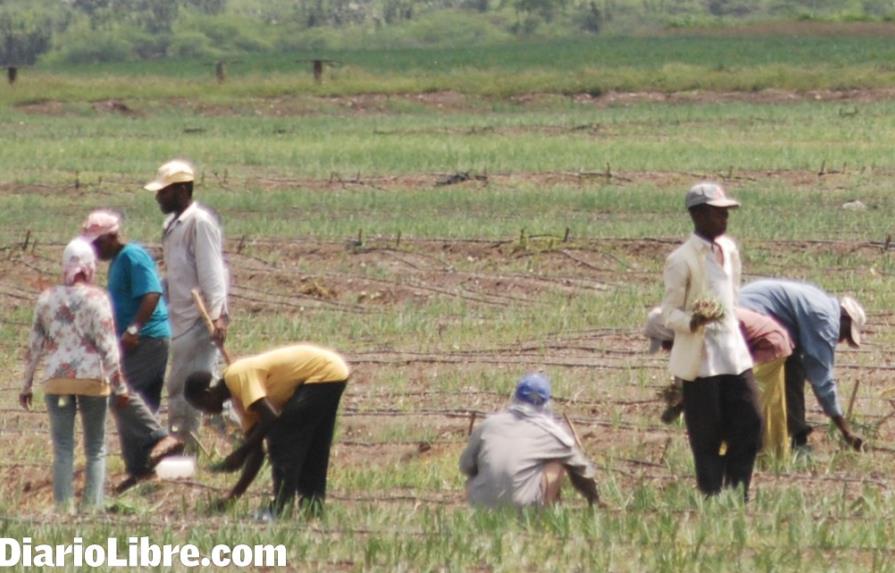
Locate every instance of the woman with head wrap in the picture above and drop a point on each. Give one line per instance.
(74, 330)
(518, 457)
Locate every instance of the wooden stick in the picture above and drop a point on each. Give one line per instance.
(574, 431)
(200, 304)
(195, 438)
(851, 402)
(471, 424)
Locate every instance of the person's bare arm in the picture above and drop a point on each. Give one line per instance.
(852, 440)
(267, 415)
(469, 457)
(253, 461)
(144, 312)
(587, 487)
(250, 455)
(582, 476)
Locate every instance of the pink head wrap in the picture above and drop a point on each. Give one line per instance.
(99, 223)
(78, 259)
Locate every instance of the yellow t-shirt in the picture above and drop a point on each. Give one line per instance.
(277, 374)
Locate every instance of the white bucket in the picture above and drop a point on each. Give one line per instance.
(176, 467)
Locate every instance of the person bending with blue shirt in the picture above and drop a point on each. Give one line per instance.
(816, 322)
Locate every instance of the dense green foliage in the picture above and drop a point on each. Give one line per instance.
(83, 31)
(576, 68)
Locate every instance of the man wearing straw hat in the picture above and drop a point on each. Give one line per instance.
(193, 256)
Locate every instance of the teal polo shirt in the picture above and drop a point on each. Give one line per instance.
(132, 275)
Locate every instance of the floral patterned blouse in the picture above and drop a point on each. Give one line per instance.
(74, 328)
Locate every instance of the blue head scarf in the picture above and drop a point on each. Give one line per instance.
(531, 401)
(534, 389)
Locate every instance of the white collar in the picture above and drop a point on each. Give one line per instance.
(704, 244)
(173, 218)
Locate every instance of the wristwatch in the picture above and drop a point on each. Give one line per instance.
(133, 330)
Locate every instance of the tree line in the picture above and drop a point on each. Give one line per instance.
(107, 30)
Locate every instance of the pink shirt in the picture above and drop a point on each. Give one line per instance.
(766, 338)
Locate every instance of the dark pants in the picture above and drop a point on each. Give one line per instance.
(144, 369)
(796, 425)
(723, 409)
(139, 431)
(299, 442)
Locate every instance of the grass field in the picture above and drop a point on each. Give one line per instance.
(796, 57)
(349, 222)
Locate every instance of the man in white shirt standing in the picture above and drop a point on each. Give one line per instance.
(702, 281)
(193, 256)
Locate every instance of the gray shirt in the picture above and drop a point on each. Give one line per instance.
(506, 455)
(193, 260)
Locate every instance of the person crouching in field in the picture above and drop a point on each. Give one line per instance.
(770, 345)
(519, 457)
(73, 327)
(289, 396)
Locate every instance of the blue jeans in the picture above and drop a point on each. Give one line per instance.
(61, 409)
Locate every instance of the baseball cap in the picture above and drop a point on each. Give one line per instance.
(99, 223)
(708, 193)
(533, 388)
(174, 171)
(858, 319)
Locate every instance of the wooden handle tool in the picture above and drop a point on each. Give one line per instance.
(203, 311)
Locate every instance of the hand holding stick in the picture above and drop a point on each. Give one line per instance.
(200, 304)
(587, 487)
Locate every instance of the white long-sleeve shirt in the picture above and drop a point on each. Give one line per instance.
(692, 273)
(194, 258)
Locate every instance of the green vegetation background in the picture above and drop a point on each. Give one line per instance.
(90, 31)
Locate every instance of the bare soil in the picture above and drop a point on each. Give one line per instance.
(442, 102)
(387, 427)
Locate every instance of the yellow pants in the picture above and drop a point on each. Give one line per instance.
(772, 400)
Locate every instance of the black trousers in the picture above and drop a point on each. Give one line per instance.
(796, 425)
(723, 409)
(298, 444)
